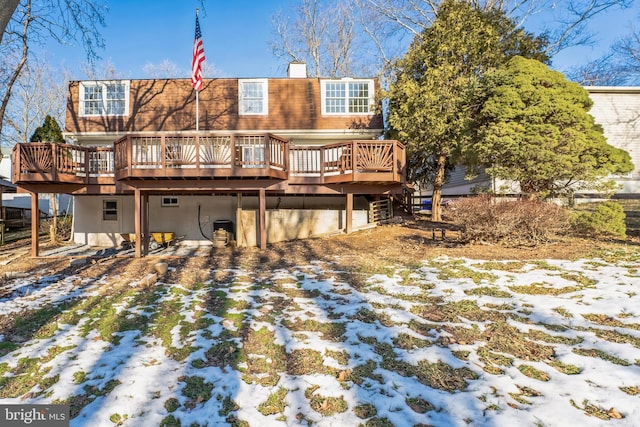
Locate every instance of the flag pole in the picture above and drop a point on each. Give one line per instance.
(197, 111)
(196, 67)
(197, 92)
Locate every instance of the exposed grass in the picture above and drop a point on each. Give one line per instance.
(325, 405)
(458, 271)
(596, 411)
(565, 368)
(197, 389)
(544, 289)
(604, 320)
(488, 291)
(594, 352)
(631, 390)
(366, 410)
(275, 403)
(534, 373)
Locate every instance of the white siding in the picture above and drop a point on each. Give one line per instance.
(287, 217)
(617, 109)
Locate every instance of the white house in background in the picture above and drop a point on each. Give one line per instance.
(5, 163)
(616, 109)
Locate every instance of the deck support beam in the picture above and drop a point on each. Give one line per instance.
(35, 225)
(263, 218)
(349, 213)
(145, 224)
(239, 231)
(137, 196)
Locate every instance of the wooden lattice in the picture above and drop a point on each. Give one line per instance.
(375, 156)
(215, 150)
(36, 158)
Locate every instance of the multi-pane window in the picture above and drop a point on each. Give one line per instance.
(104, 98)
(109, 210)
(170, 201)
(92, 100)
(347, 96)
(252, 97)
(115, 101)
(335, 95)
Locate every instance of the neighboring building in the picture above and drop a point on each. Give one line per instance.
(615, 108)
(273, 159)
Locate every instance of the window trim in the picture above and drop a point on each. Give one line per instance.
(112, 211)
(168, 202)
(103, 85)
(346, 81)
(265, 97)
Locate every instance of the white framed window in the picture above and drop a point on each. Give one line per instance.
(109, 210)
(253, 97)
(104, 98)
(170, 201)
(347, 96)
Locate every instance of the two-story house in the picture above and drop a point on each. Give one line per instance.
(273, 159)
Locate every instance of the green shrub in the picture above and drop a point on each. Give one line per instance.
(510, 222)
(606, 220)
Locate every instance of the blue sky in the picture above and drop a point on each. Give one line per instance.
(236, 35)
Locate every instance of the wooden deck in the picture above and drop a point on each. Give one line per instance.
(198, 156)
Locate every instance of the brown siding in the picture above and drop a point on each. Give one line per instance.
(169, 105)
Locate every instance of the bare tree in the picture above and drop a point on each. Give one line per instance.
(320, 33)
(392, 24)
(604, 71)
(370, 34)
(626, 52)
(7, 8)
(168, 69)
(14, 60)
(33, 21)
(40, 91)
(619, 66)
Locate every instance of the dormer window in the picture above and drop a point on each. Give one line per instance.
(347, 96)
(253, 97)
(104, 98)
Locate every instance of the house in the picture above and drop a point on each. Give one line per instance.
(272, 159)
(616, 109)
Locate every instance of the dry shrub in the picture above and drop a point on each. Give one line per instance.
(512, 223)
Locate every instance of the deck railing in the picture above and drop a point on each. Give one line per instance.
(58, 162)
(202, 156)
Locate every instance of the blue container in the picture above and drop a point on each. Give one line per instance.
(426, 205)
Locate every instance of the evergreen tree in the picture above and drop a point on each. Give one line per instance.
(432, 94)
(49, 131)
(535, 128)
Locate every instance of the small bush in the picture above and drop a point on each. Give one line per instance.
(607, 220)
(513, 222)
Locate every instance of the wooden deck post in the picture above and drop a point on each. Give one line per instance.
(145, 224)
(35, 225)
(137, 221)
(263, 218)
(239, 230)
(349, 213)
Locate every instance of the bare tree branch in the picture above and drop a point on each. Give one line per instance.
(7, 8)
(13, 75)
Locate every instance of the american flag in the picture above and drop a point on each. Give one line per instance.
(198, 57)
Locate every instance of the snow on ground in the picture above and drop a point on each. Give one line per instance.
(235, 343)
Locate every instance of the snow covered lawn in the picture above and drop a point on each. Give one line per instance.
(444, 342)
